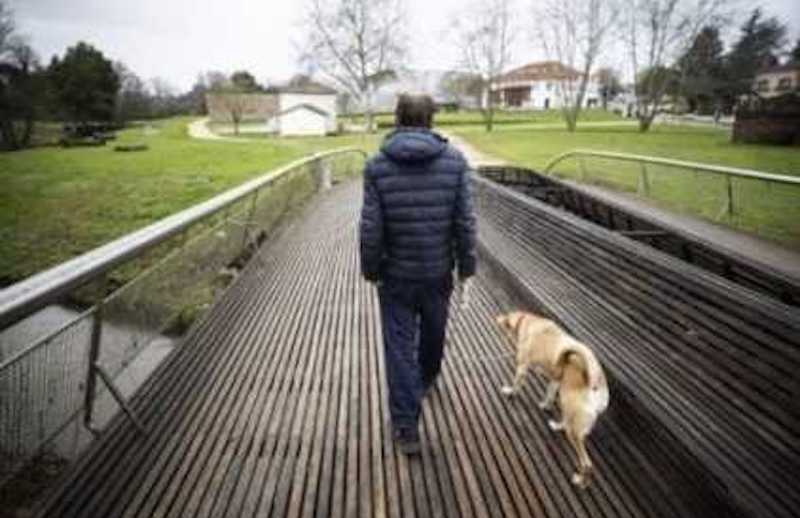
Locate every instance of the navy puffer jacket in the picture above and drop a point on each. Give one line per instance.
(417, 221)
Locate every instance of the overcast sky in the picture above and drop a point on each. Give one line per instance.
(177, 39)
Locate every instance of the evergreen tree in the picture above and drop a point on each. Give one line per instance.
(702, 70)
(758, 47)
(85, 84)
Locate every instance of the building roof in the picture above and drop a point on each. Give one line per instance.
(786, 67)
(305, 106)
(307, 88)
(537, 71)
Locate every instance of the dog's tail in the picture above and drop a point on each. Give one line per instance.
(577, 357)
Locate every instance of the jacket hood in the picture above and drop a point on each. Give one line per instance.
(413, 145)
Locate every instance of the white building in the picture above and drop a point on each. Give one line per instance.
(303, 120)
(305, 109)
(778, 80)
(537, 86)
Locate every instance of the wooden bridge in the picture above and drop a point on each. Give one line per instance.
(275, 402)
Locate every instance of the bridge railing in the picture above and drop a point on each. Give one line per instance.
(755, 201)
(69, 333)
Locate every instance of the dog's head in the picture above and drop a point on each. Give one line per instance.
(510, 323)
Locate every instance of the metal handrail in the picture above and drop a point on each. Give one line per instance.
(42, 289)
(716, 169)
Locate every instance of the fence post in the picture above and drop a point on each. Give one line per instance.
(582, 164)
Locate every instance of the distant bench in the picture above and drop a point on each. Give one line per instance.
(709, 367)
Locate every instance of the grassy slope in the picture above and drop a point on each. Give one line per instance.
(535, 148)
(57, 203)
(771, 211)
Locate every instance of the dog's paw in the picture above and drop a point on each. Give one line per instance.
(555, 425)
(508, 390)
(580, 480)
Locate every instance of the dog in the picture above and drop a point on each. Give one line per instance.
(574, 375)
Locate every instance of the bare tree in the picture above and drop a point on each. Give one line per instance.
(573, 33)
(657, 32)
(6, 26)
(21, 85)
(359, 44)
(484, 35)
(462, 86)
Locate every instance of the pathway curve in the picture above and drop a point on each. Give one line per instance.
(199, 129)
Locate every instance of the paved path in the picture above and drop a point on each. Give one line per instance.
(769, 253)
(199, 129)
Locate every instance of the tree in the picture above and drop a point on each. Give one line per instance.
(244, 81)
(22, 85)
(656, 32)
(573, 33)
(461, 86)
(795, 54)
(484, 35)
(759, 45)
(702, 70)
(359, 44)
(85, 84)
(133, 100)
(610, 85)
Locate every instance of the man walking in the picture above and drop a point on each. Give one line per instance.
(417, 224)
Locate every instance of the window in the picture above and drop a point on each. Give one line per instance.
(785, 83)
(762, 86)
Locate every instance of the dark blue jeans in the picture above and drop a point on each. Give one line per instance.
(414, 317)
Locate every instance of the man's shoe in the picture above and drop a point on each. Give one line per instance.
(407, 440)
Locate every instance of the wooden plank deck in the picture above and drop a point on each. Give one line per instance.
(275, 405)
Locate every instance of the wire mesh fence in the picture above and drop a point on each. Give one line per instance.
(763, 204)
(45, 372)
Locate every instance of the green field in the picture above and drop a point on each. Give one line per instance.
(501, 118)
(772, 211)
(56, 203)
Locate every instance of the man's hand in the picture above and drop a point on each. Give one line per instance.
(464, 292)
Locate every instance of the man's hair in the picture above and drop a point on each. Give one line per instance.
(414, 110)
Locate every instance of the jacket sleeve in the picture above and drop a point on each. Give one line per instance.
(465, 228)
(371, 230)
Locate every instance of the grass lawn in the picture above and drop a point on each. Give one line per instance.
(772, 211)
(501, 117)
(57, 203)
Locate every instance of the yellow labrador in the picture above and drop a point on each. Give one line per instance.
(573, 371)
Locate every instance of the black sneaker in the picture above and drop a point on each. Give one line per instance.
(408, 441)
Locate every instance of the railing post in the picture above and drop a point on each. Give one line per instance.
(730, 198)
(324, 180)
(249, 222)
(94, 353)
(644, 181)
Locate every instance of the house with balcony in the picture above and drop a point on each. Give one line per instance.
(537, 86)
(778, 80)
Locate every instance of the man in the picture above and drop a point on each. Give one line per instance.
(417, 224)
